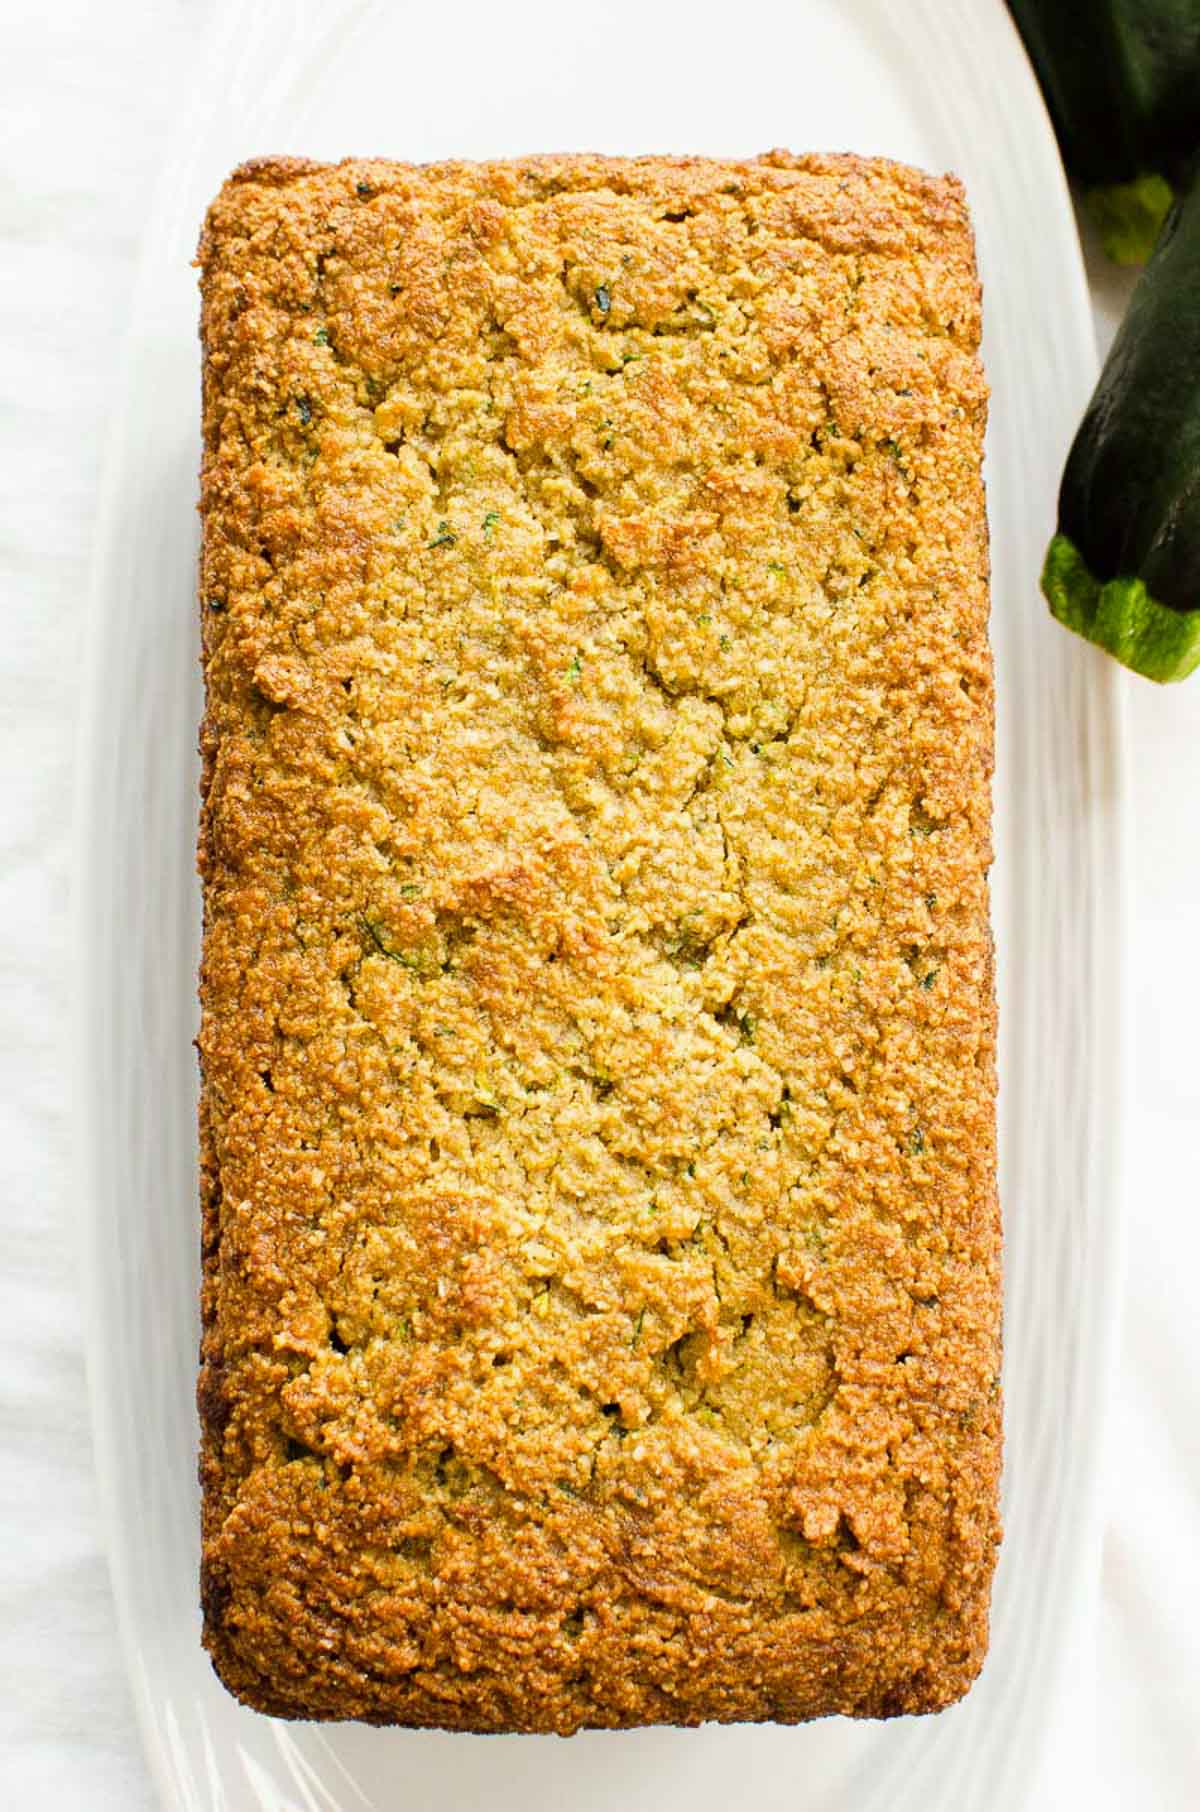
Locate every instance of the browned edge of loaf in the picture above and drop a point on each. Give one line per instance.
(867, 1672)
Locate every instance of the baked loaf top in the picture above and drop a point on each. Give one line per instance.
(601, 1252)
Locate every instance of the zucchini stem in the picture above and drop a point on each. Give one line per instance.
(1120, 615)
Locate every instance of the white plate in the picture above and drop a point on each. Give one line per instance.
(941, 85)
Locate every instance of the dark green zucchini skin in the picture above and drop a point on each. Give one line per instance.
(1124, 567)
(1122, 82)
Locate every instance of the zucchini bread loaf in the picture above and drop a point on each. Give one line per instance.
(601, 1248)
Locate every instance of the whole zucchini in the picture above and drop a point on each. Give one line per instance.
(1122, 81)
(1124, 567)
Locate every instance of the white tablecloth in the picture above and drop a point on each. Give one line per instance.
(87, 97)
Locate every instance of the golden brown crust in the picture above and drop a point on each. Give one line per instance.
(601, 1256)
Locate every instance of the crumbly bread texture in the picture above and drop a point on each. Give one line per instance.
(601, 1247)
